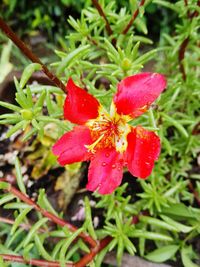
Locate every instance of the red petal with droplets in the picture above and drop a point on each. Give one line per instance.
(71, 148)
(137, 92)
(143, 149)
(105, 171)
(79, 106)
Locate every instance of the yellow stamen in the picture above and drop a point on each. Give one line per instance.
(92, 146)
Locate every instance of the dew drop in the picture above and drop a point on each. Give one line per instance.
(104, 164)
(113, 166)
(119, 169)
(107, 155)
(125, 163)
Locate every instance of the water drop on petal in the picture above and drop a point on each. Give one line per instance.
(104, 164)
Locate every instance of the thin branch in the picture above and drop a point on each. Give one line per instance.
(102, 14)
(135, 14)
(49, 215)
(195, 13)
(195, 193)
(24, 226)
(181, 56)
(29, 54)
(186, 5)
(184, 44)
(88, 257)
(36, 262)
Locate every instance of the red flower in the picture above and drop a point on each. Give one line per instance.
(106, 139)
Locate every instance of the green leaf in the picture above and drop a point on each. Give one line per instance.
(2, 264)
(66, 246)
(33, 230)
(6, 197)
(27, 73)
(14, 237)
(4, 185)
(40, 101)
(185, 252)
(29, 96)
(15, 205)
(14, 129)
(44, 202)
(176, 124)
(42, 251)
(158, 223)
(88, 223)
(9, 106)
(162, 254)
(167, 4)
(150, 235)
(181, 227)
(178, 210)
(19, 219)
(79, 52)
(26, 252)
(19, 176)
(100, 256)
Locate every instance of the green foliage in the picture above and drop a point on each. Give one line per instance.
(29, 115)
(161, 212)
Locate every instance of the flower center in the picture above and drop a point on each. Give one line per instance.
(109, 130)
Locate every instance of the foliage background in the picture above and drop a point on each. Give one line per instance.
(157, 218)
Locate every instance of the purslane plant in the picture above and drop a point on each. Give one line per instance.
(163, 208)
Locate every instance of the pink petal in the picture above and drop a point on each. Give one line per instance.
(79, 106)
(143, 149)
(71, 148)
(137, 92)
(105, 171)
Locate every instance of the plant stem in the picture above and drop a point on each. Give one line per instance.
(29, 54)
(36, 262)
(88, 257)
(49, 215)
(195, 193)
(181, 56)
(184, 44)
(24, 226)
(135, 14)
(101, 13)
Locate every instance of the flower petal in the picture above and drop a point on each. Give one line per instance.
(137, 92)
(143, 149)
(71, 148)
(79, 106)
(105, 171)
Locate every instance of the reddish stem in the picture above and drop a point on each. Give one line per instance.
(36, 262)
(25, 226)
(49, 215)
(195, 13)
(181, 56)
(29, 54)
(88, 257)
(185, 42)
(195, 193)
(102, 14)
(135, 14)
(186, 4)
